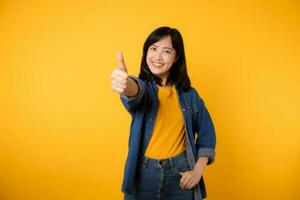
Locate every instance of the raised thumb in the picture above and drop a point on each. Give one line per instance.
(121, 62)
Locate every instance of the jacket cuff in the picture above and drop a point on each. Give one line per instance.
(207, 152)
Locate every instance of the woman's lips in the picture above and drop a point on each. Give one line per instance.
(157, 64)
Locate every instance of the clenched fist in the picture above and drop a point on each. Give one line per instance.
(119, 76)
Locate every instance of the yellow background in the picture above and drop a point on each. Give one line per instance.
(64, 132)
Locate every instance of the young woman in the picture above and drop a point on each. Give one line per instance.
(172, 137)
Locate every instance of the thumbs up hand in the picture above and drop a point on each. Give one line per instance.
(121, 62)
(119, 76)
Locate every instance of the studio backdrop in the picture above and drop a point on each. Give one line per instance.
(64, 132)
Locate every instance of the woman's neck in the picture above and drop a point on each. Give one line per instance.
(164, 81)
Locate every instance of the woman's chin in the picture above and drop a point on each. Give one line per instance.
(157, 74)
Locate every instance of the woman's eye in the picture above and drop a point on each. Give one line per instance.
(153, 48)
(168, 52)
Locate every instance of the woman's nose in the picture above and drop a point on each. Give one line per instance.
(158, 56)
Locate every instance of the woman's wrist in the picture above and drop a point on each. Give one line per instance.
(200, 165)
(131, 88)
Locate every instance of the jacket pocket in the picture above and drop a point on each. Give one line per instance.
(192, 108)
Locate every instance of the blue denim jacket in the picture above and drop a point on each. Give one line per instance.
(143, 108)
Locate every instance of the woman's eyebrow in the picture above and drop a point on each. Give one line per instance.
(168, 48)
(163, 47)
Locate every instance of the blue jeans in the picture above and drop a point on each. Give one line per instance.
(160, 179)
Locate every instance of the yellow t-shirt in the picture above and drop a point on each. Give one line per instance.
(168, 137)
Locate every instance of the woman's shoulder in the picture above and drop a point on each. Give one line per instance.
(192, 90)
(193, 93)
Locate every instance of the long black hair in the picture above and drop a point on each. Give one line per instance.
(178, 73)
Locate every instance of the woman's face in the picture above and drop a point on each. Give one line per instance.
(160, 57)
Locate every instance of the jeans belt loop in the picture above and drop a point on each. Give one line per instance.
(145, 162)
(171, 162)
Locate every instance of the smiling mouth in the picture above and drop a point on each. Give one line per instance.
(156, 64)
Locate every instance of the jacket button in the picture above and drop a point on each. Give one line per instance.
(183, 109)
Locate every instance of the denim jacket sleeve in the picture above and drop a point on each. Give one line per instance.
(132, 103)
(206, 138)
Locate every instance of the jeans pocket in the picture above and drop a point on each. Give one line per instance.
(182, 165)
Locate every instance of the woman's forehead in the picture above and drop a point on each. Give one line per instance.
(164, 42)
